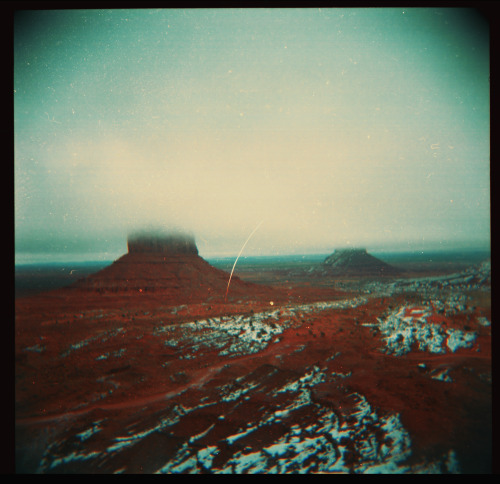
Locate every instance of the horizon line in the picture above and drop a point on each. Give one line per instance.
(104, 257)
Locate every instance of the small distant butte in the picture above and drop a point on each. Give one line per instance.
(355, 262)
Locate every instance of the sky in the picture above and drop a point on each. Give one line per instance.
(322, 128)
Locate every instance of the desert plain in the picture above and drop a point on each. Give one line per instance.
(154, 365)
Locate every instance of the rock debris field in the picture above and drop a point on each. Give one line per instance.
(388, 377)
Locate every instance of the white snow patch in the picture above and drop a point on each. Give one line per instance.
(403, 328)
(194, 438)
(86, 434)
(483, 321)
(441, 375)
(459, 339)
(233, 438)
(206, 456)
(72, 457)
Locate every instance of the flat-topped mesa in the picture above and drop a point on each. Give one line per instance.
(349, 251)
(355, 261)
(345, 255)
(168, 264)
(170, 244)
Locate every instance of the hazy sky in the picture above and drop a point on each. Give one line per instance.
(335, 127)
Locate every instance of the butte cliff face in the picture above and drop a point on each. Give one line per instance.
(169, 244)
(166, 265)
(355, 262)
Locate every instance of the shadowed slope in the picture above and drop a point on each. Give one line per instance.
(168, 265)
(355, 262)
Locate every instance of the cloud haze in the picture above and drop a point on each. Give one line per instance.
(333, 126)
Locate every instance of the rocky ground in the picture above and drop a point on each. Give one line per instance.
(387, 376)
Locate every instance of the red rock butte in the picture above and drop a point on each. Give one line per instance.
(166, 264)
(173, 244)
(355, 262)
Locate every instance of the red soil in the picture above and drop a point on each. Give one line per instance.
(59, 386)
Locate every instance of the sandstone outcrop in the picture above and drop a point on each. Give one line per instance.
(171, 244)
(355, 262)
(166, 265)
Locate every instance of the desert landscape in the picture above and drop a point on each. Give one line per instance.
(252, 240)
(154, 365)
